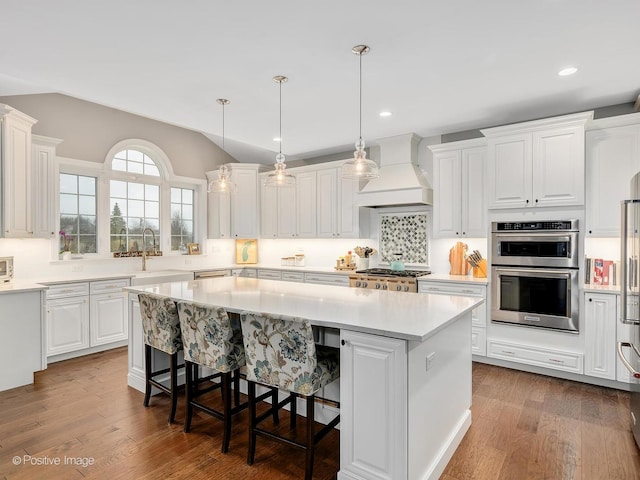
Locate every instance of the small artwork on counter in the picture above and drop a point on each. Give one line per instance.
(193, 249)
(246, 251)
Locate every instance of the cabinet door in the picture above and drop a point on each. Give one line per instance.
(244, 203)
(17, 166)
(219, 215)
(43, 170)
(286, 212)
(268, 211)
(306, 202)
(108, 318)
(473, 203)
(509, 160)
(67, 325)
(612, 159)
(600, 335)
(327, 201)
(373, 385)
(347, 209)
(558, 167)
(447, 194)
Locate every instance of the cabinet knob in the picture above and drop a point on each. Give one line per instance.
(527, 200)
(591, 299)
(536, 200)
(590, 231)
(457, 233)
(345, 343)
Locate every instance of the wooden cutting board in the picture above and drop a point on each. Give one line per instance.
(459, 265)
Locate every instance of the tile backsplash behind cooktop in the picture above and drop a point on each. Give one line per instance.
(406, 234)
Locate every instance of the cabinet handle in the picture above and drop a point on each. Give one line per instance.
(346, 343)
(553, 360)
(507, 352)
(624, 360)
(527, 200)
(467, 291)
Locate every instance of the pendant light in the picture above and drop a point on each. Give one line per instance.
(223, 184)
(360, 167)
(279, 177)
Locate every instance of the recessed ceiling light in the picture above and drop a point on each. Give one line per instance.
(277, 139)
(385, 114)
(567, 71)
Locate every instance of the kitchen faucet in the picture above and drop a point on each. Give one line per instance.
(144, 247)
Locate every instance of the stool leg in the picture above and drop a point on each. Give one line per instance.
(293, 410)
(173, 374)
(236, 387)
(308, 469)
(188, 388)
(251, 390)
(274, 406)
(226, 398)
(147, 375)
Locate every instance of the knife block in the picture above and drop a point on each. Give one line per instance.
(481, 270)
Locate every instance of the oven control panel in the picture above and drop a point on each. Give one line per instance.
(554, 225)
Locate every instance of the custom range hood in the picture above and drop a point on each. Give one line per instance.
(400, 182)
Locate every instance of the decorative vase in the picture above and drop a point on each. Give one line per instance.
(362, 263)
(66, 255)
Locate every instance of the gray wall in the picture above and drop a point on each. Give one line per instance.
(89, 130)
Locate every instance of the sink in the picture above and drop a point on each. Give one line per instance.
(161, 276)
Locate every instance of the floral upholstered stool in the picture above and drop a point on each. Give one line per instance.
(212, 339)
(161, 331)
(281, 352)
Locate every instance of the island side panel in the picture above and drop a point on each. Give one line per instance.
(439, 386)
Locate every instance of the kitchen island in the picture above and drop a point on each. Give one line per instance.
(405, 382)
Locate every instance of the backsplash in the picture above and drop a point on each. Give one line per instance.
(406, 234)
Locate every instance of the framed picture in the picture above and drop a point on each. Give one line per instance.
(193, 248)
(246, 251)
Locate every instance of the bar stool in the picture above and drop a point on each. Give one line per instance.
(212, 339)
(161, 329)
(281, 352)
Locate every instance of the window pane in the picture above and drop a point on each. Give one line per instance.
(136, 190)
(135, 167)
(118, 243)
(187, 229)
(153, 225)
(135, 243)
(68, 223)
(68, 183)
(87, 185)
(118, 207)
(87, 224)
(187, 212)
(176, 195)
(68, 203)
(176, 210)
(122, 154)
(120, 165)
(136, 208)
(152, 192)
(87, 244)
(135, 155)
(135, 225)
(152, 209)
(151, 170)
(118, 189)
(87, 204)
(187, 196)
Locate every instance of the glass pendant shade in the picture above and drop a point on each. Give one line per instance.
(360, 168)
(280, 178)
(223, 183)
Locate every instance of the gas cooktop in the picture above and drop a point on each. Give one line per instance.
(387, 272)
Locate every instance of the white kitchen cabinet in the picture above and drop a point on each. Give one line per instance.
(459, 208)
(269, 274)
(537, 164)
(306, 202)
(17, 173)
(244, 272)
(373, 384)
(478, 314)
(337, 210)
(243, 215)
(278, 209)
(293, 276)
(86, 317)
(612, 159)
(67, 310)
(600, 314)
(535, 355)
(108, 312)
(44, 185)
(340, 280)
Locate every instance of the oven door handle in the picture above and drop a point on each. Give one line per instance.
(624, 360)
(534, 272)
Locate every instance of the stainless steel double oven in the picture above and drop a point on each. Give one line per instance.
(534, 272)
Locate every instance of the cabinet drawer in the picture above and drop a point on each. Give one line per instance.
(451, 288)
(270, 274)
(327, 279)
(534, 355)
(68, 290)
(109, 286)
(293, 276)
(244, 272)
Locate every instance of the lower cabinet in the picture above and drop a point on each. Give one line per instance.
(327, 279)
(83, 315)
(535, 355)
(600, 314)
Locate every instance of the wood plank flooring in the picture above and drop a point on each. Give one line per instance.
(525, 426)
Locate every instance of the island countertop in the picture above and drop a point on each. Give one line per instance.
(407, 316)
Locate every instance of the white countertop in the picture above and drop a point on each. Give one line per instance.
(408, 316)
(20, 286)
(445, 277)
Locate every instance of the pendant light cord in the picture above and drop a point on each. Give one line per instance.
(360, 56)
(280, 84)
(223, 127)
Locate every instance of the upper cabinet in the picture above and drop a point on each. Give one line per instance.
(236, 215)
(612, 158)
(43, 171)
(538, 163)
(336, 205)
(277, 211)
(459, 208)
(17, 173)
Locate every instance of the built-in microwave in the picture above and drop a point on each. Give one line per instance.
(6, 269)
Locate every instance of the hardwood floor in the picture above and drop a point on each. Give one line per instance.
(525, 426)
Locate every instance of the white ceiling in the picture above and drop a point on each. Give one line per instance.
(439, 66)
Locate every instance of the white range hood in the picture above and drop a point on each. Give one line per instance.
(400, 182)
